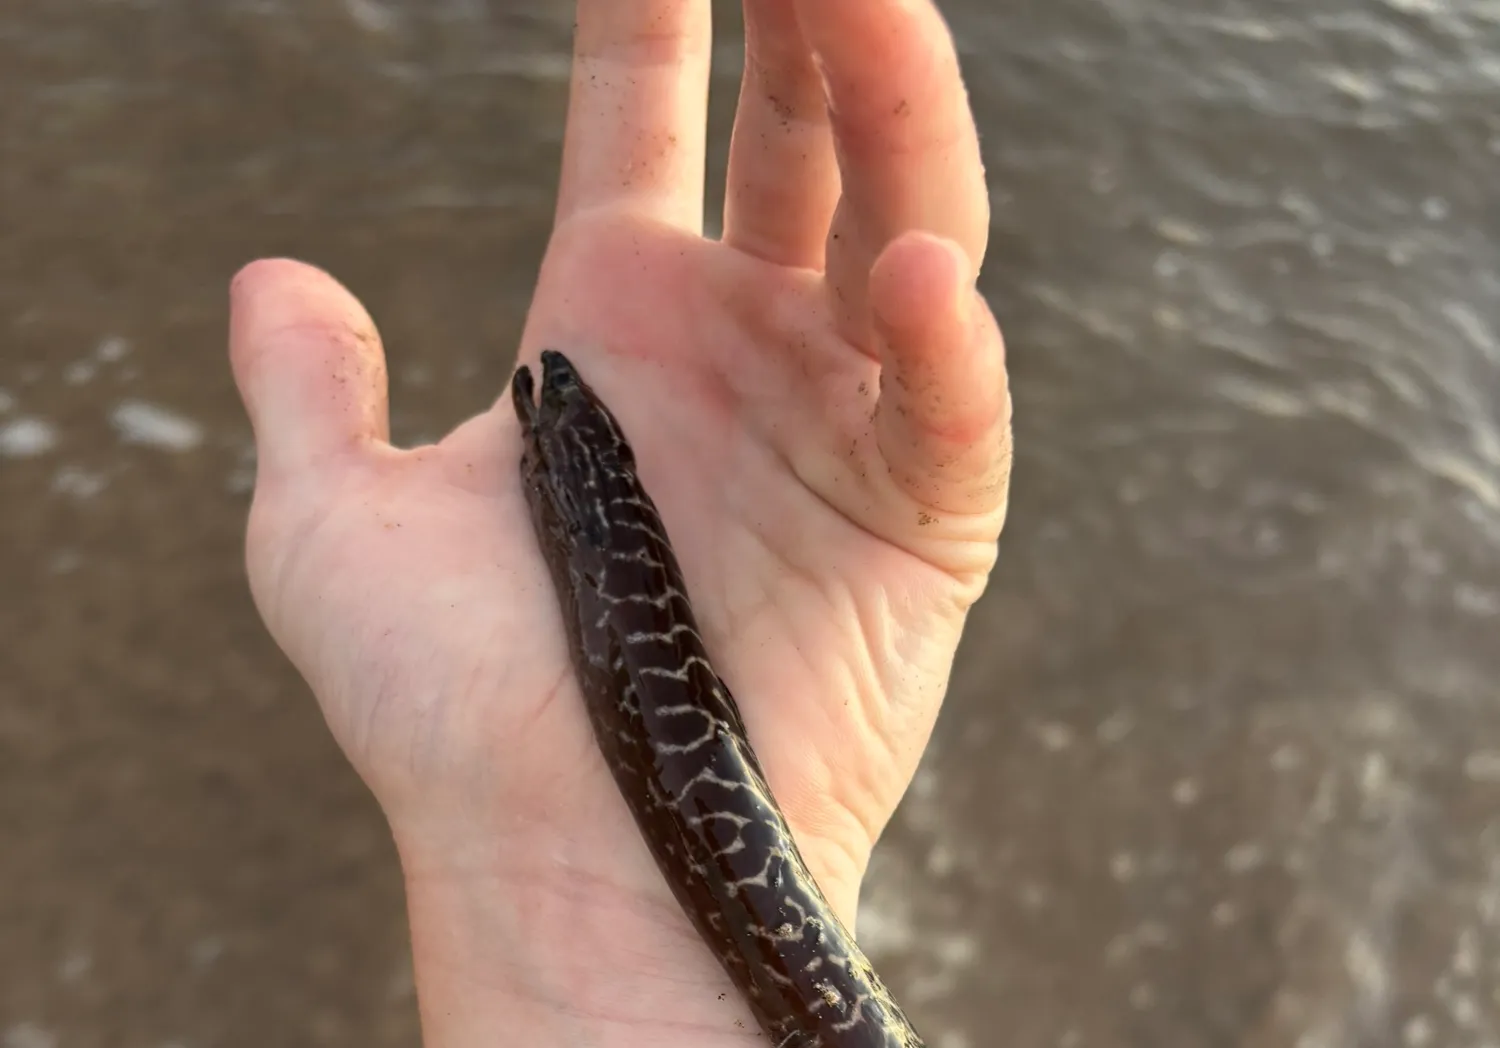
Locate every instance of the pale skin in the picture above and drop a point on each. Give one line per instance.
(832, 550)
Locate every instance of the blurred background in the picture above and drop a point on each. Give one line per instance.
(1221, 761)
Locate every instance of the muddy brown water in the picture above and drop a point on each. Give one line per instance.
(1221, 761)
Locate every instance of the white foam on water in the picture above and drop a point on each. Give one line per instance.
(418, 375)
(205, 951)
(1286, 758)
(112, 349)
(80, 372)
(1482, 766)
(241, 480)
(402, 984)
(1244, 857)
(1033, 896)
(885, 923)
(941, 861)
(1053, 735)
(75, 967)
(27, 438)
(1417, 1033)
(1115, 728)
(7, 401)
(79, 483)
(138, 422)
(1185, 792)
(370, 16)
(1353, 84)
(29, 1035)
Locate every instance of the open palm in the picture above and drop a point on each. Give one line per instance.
(817, 404)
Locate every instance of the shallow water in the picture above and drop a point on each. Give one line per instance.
(1221, 762)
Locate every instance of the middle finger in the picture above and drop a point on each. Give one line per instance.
(783, 174)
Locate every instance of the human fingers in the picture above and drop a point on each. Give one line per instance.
(309, 367)
(907, 146)
(783, 176)
(944, 419)
(638, 110)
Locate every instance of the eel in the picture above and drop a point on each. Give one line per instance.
(672, 734)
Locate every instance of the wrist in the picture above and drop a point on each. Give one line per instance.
(547, 951)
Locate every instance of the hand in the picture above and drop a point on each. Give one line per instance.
(818, 405)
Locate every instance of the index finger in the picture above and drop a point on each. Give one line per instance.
(908, 148)
(638, 110)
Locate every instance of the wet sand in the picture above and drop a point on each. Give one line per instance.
(1221, 761)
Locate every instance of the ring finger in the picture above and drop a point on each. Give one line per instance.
(905, 136)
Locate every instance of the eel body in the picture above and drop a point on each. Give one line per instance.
(673, 737)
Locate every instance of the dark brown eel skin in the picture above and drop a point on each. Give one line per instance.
(673, 736)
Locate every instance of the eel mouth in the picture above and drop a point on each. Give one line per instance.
(523, 396)
(558, 374)
(559, 379)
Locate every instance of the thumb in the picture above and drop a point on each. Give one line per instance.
(944, 423)
(309, 367)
